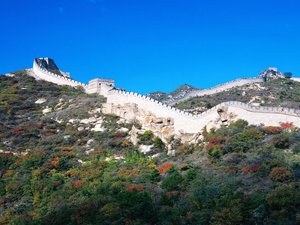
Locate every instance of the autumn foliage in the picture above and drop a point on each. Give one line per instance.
(165, 167)
(287, 125)
(136, 187)
(78, 183)
(272, 130)
(280, 174)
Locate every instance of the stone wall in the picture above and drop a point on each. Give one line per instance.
(132, 105)
(188, 123)
(44, 74)
(217, 89)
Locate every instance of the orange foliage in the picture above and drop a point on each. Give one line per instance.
(272, 130)
(254, 169)
(40, 153)
(126, 143)
(78, 183)
(165, 167)
(55, 162)
(246, 169)
(66, 149)
(136, 187)
(280, 174)
(8, 173)
(287, 125)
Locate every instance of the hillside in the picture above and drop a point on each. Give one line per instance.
(63, 161)
(178, 93)
(274, 92)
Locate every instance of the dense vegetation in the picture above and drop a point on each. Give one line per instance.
(274, 92)
(238, 174)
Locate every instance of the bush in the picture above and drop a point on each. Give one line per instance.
(215, 152)
(284, 203)
(239, 124)
(243, 141)
(158, 144)
(272, 130)
(280, 174)
(165, 167)
(146, 138)
(296, 149)
(281, 142)
(172, 180)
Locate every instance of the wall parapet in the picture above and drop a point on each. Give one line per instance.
(216, 89)
(52, 77)
(173, 110)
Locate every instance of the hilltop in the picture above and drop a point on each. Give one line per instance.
(276, 92)
(178, 93)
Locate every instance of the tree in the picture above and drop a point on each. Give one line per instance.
(288, 75)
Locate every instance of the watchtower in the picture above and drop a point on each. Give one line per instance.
(100, 86)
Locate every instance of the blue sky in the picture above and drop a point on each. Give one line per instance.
(150, 45)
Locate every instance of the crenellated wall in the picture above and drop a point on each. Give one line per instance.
(44, 74)
(216, 89)
(189, 123)
(183, 122)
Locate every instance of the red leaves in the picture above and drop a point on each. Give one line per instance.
(78, 184)
(255, 168)
(170, 194)
(217, 141)
(136, 187)
(287, 125)
(17, 130)
(165, 167)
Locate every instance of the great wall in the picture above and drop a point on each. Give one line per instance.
(181, 122)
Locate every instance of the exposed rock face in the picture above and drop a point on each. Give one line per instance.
(162, 127)
(271, 72)
(180, 92)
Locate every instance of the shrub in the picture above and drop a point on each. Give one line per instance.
(243, 141)
(172, 180)
(215, 152)
(78, 183)
(158, 143)
(146, 138)
(217, 141)
(135, 187)
(284, 202)
(184, 149)
(227, 216)
(287, 125)
(296, 149)
(239, 124)
(165, 167)
(67, 149)
(280, 174)
(281, 142)
(17, 130)
(272, 130)
(110, 210)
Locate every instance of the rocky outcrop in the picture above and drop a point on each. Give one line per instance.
(272, 73)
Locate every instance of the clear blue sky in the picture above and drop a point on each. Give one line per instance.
(149, 45)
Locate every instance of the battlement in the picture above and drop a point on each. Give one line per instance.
(184, 122)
